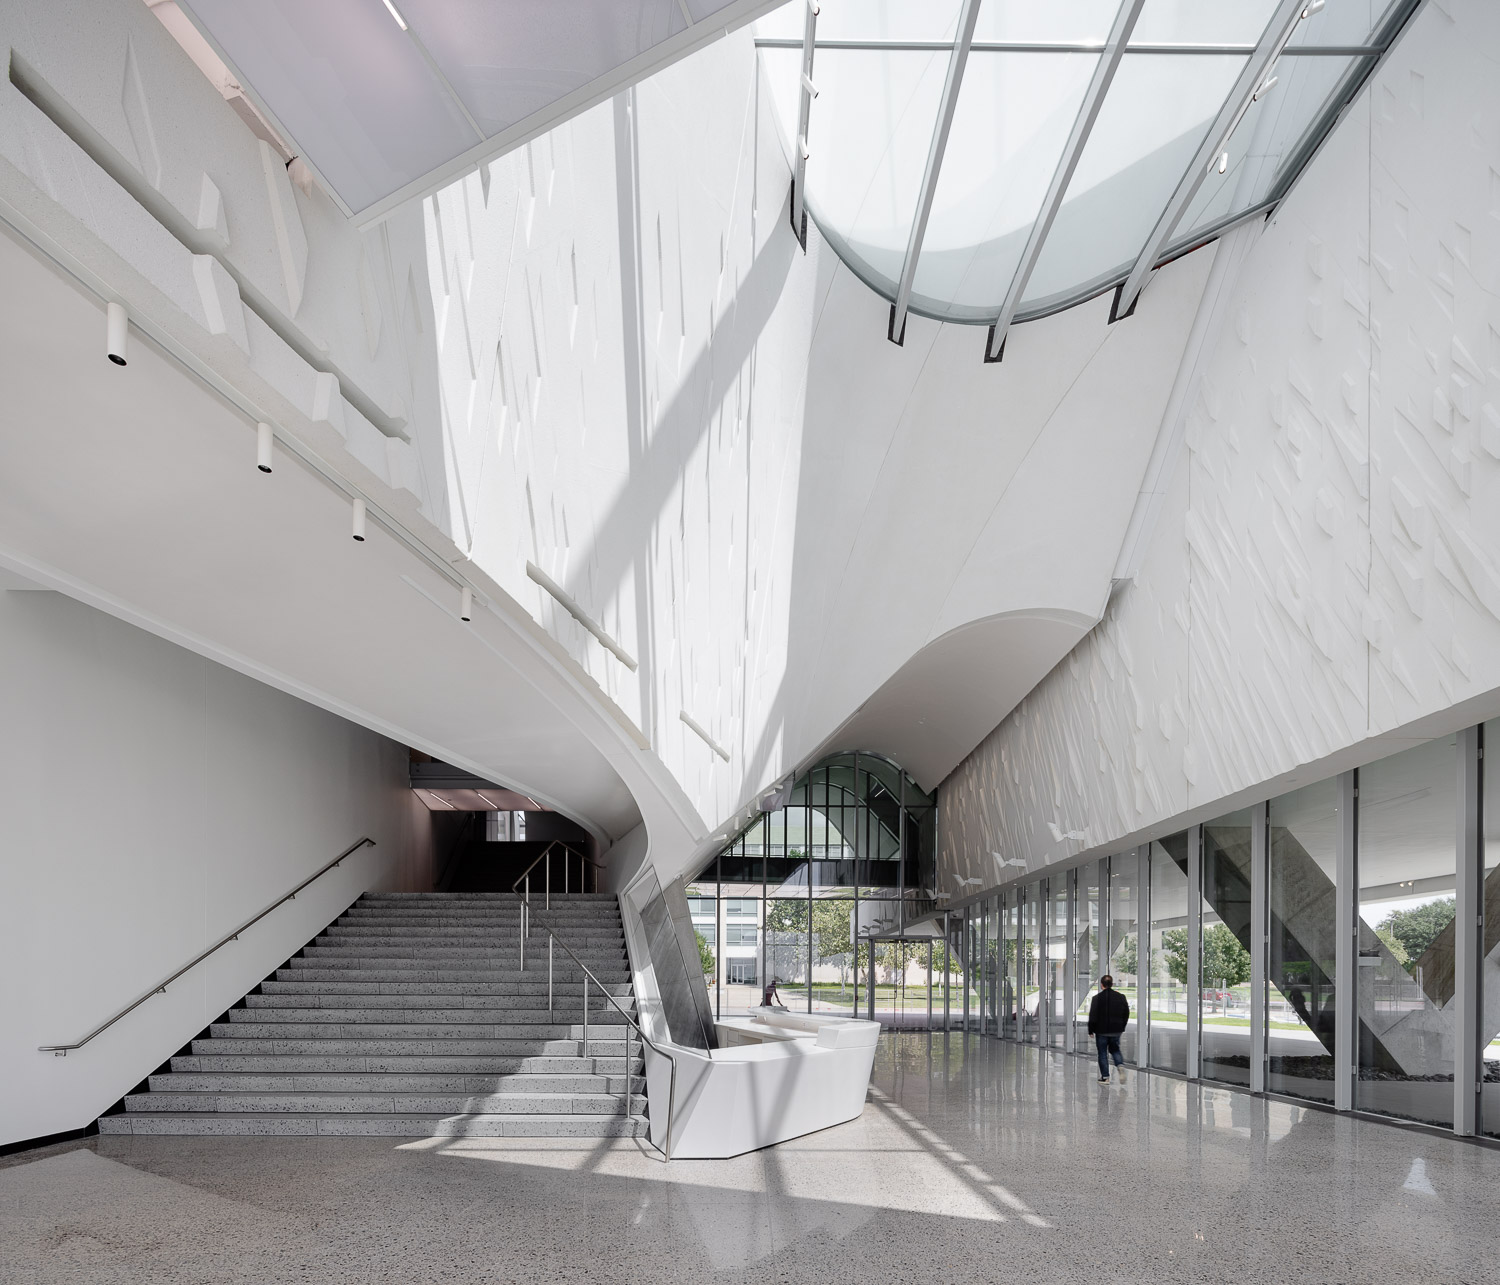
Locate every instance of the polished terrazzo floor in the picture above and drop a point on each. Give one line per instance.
(975, 1161)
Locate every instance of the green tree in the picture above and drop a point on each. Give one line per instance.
(1124, 959)
(706, 954)
(1393, 944)
(1224, 959)
(1417, 928)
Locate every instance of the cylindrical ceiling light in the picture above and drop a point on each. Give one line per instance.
(359, 518)
(115, 333)
(466, 604)
(263, 447)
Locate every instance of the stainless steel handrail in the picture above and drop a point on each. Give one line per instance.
(62, 1050)
(630, 1021)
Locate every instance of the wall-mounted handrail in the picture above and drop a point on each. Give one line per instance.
(62, 1050)
(645, 1039)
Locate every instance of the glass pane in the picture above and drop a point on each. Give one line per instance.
(739, 954)
(1085, 950)
(1268, 139)
(1489, 1030)
(1304, 931)
(1225, 961)
(868, 139)
(1013, 117)
(1025, 21)
(1169, 953)
(1157, 112)
(1407, 816)
(1124, 914)
(1057, 961)
(1344, 22)
(898, 20)
(786, 951)
(1192, 22)
(992, 979)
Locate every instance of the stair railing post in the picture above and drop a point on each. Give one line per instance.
(549, 880)
(524, 905)
(549, 972)
(585, 1017)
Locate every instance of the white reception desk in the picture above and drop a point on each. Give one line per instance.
(776, 1075)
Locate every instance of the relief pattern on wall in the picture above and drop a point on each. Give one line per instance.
(1326, 568)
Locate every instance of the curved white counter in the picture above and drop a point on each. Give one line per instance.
(777, 1075)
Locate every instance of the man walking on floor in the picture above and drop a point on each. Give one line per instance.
(1109, 1014)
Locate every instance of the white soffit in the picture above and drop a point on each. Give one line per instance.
(387, 100)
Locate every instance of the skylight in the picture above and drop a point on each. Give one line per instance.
(986, 161)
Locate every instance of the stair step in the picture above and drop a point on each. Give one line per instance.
(195, 1123)
(564, 1003)
(391, 1046)
(348, 984)
(450, 976)
(585, 1104)
(291, 1064)
(491, 1014)
(376, 1082)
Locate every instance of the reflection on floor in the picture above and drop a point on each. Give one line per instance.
(975, 1160)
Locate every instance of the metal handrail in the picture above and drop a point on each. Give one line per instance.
(62, 1050)
(630, 1021)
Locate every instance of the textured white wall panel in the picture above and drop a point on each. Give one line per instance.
(1326, 568)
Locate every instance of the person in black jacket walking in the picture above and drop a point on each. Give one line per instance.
(1109, 1014)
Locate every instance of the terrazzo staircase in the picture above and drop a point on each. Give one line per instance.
(411, 1017)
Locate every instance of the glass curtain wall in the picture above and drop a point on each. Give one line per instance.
(1302, 966)
(1401, 854)
(795, 897)
(1407, 866)
(1124, 915)
(1224, 961)
(1168, 951)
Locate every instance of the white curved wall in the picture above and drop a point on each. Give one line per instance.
(653, 395)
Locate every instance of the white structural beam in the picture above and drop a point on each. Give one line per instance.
(804, 120)
(1083, 126)
(967, 17)
(1278, 31)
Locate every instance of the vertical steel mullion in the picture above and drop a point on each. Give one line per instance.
(1194, 1066)
(1143, 956)
(1043, 961)
(1346, 944)
(807, 813)
(986, 982)
(1259, 946)
(929, 985)
(1468, 935)
(719, 935)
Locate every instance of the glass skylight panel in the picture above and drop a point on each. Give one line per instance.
(506, 61)
(868, 148)
(1345, 22)
(1267, 138)
(1025, 77)
(347, 84)
(1202, 22)
(1014, 114)
(1157, 113)
(886, 20)
(1027, 22)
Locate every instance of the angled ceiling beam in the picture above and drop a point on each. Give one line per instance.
(1083, 125)
(967, 17)
(804, 118)
(1278, 31)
